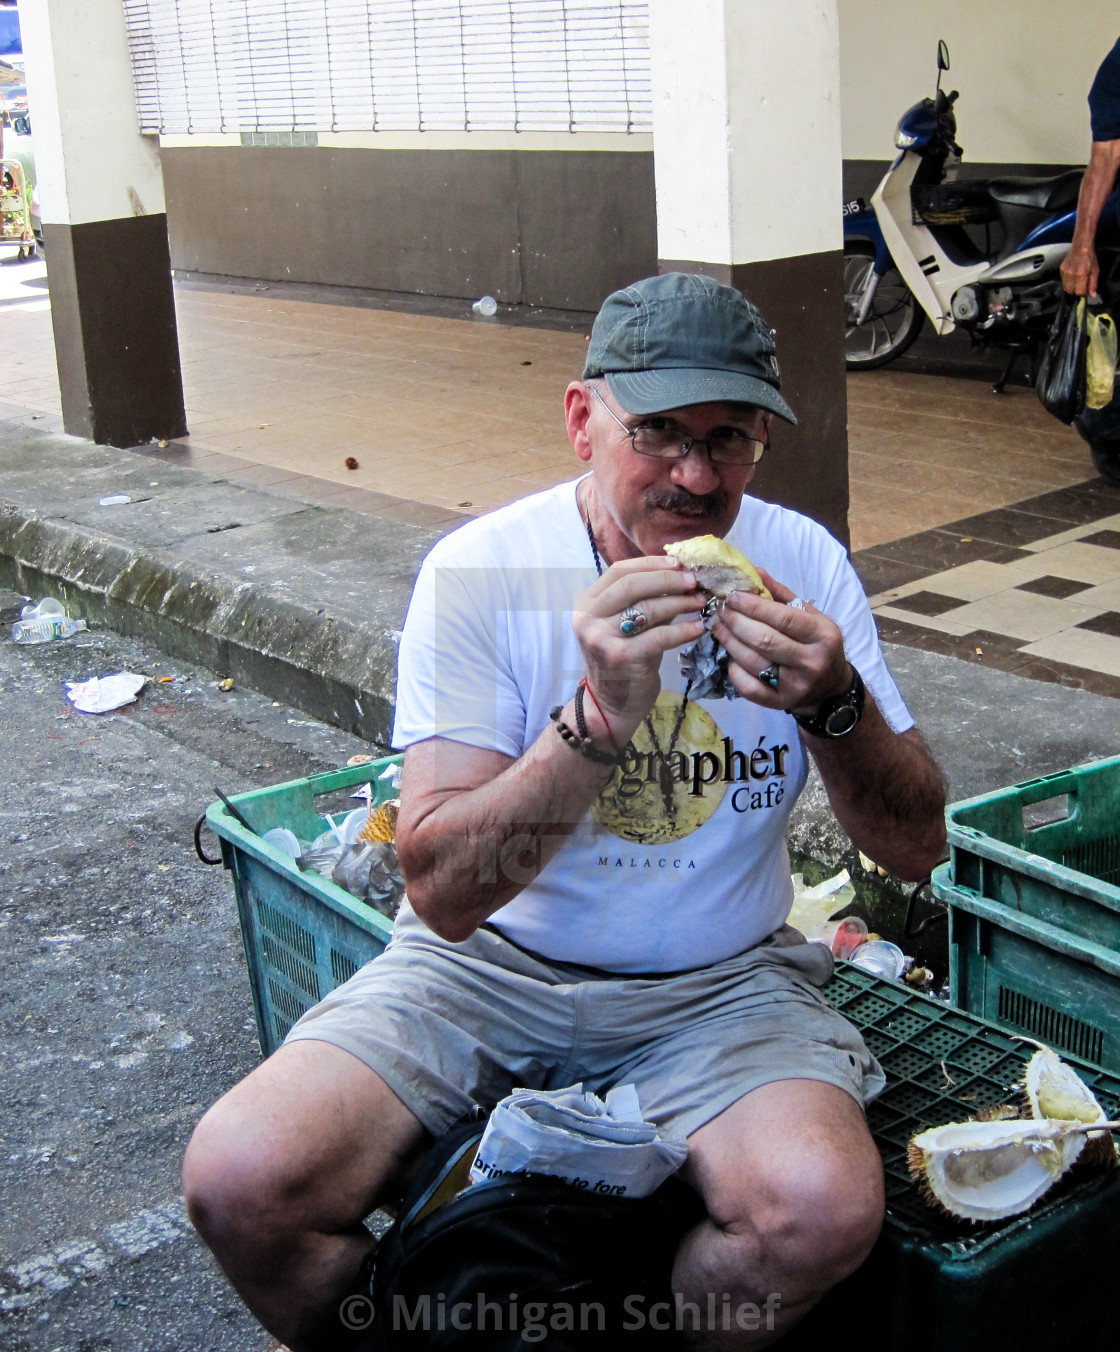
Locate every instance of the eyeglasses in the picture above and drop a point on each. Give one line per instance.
(731, 447)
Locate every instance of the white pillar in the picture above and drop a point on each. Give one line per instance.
(746, 127)
(105, 226)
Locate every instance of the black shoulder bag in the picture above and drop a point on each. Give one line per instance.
(524, 1261)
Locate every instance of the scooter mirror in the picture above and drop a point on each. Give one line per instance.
(942, 55)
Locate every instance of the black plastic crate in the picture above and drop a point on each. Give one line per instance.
(934, 1284)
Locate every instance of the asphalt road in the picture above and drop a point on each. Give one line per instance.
(125, 1007)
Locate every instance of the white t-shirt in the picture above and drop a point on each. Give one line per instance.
(682, 860)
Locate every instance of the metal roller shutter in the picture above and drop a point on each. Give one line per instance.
(390, 65)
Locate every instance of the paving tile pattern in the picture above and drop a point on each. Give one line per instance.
(1033, 588)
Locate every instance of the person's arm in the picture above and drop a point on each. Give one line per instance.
(476, 826)
(884, 787)
(887, 793)
(1080, 269)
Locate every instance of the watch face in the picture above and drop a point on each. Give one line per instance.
(840, 721)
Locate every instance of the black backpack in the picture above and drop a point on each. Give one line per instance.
(525, 1261)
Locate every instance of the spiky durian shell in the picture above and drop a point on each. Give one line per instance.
(986, 1171)
(1052, 1089)
(998, 1112)
(382, 823)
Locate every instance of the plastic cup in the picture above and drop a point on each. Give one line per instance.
(287, 842)
(845, 936)
(880, 958)
(43, 609)
(351, 826)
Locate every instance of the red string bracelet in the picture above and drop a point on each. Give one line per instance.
(586, 685)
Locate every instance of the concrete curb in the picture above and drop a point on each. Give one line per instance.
(335, 669)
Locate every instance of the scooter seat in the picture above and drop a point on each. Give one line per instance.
(1044, 194)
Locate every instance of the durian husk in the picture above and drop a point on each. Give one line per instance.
(998, 1112)
(719, 567)
(987, 1171)
(382, 823)
(1052, 1089)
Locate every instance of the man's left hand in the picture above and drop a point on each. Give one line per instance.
(805, 645)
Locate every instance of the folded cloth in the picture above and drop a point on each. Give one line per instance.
(603, 1145)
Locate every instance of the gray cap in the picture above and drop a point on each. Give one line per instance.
(681, 339)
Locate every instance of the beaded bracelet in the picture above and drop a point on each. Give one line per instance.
(583, 744)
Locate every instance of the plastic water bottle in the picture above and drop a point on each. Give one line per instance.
(487, 306)
(45, 629)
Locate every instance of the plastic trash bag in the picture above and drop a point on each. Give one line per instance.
(372, 873)
(1061, 371)
(813, 907)
(1100, 359)
(322, 854)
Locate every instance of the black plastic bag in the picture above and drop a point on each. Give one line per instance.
(1061, 371)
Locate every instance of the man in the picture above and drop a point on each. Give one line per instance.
(1081, 270)
(1081, 267)
(597, 891)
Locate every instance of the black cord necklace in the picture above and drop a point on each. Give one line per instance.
(664, 771)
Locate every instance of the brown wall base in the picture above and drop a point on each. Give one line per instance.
(559, 229)
(802, 298)
(117, 345)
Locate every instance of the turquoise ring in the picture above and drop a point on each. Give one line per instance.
(769, 676)
(632, 622)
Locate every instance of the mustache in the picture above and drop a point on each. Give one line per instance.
(686, 503)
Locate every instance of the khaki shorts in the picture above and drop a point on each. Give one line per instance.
(448, 1025)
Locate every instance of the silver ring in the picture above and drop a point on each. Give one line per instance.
(797, 603)
(632, 621)
(769, 676)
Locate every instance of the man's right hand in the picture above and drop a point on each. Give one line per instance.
(623, 671)
(1081, 271)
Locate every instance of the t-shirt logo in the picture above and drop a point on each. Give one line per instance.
(678, 773)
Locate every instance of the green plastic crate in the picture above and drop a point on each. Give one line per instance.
(1031, 1283)
(1027, 974)
(1049, 848)
(303, 935)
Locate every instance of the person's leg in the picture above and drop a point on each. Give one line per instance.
(279, 1175)
(793, 1186)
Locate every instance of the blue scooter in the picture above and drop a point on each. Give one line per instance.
(979, 255)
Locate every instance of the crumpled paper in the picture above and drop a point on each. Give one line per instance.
(704, 663)
(101, 694)
(597, 1145)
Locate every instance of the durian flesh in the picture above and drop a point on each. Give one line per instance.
(1054, 1090)
(986, 1171)
(720, 568)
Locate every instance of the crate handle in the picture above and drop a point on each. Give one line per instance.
(199, 851)
(1051, 787)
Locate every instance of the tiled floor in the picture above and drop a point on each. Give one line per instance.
(1033, 589)
(447, 417)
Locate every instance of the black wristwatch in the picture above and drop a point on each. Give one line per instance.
(838, 715)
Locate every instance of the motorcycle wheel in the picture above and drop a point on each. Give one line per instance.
(895, 318)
